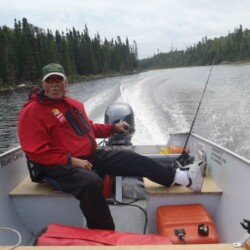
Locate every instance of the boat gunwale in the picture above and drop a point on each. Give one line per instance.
(242, 158)
(10, 151)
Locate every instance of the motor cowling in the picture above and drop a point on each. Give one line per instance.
(118, 112)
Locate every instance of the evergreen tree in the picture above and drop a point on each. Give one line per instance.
(7, 68)
(25, 49)
(97, 49)
(236, 46)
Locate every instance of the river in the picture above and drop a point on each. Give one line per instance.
(163, 101)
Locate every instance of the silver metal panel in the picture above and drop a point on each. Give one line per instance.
(232, 173)
(12, 171)
(37, 212)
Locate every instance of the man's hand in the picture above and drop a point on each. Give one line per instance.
(85, 164)
(121, 127)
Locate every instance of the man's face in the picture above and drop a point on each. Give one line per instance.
(54, 86)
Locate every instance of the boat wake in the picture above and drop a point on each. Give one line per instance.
(163, 101)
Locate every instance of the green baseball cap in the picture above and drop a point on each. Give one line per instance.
(53, 69)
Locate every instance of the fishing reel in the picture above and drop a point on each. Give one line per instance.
(246, 225)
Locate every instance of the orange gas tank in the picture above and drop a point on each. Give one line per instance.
(189, 218)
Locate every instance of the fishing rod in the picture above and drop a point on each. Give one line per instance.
(184, 156)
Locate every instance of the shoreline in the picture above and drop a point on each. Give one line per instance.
(71, 79)
(78, 78)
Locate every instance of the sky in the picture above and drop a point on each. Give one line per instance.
(155, 25)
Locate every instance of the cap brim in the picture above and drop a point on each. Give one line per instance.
(54, 73)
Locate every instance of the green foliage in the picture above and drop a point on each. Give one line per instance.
(25, 49)
(232, 48)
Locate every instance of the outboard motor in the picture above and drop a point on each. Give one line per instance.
(117, 112)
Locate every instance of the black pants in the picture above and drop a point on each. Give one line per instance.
(86, 185)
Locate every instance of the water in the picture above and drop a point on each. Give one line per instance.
(163, 101)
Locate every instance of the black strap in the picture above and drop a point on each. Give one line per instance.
(74, 124)
(36, 174)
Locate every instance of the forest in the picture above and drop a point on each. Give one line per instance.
(232, 48)
(25, 49)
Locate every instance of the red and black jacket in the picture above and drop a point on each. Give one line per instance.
(50, 131)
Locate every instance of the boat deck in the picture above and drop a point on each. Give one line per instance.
(28, 188)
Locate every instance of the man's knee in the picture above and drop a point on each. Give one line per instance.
(93, 182)
(82, 182)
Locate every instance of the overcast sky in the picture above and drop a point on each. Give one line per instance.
(156, 25)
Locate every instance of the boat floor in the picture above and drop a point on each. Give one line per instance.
(130, 217)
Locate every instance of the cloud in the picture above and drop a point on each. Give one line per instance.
(154, 25)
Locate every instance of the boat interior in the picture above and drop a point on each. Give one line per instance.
(29, 207)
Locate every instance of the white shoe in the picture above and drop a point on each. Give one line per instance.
(201, 156)
(195, 175)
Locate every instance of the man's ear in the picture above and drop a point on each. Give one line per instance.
(42, 83)
(66, 83)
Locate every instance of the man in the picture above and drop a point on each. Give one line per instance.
(56, 134)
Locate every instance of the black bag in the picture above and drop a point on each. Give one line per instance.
(36, 174)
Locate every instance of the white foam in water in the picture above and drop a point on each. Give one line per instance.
(92, 103)
(150, 127)
(147, 128)
(178, 118)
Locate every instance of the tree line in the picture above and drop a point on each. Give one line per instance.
(234, 47)
(25, 49)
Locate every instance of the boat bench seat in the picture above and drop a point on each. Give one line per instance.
(209, 187)
(29, 188)
(26, 187)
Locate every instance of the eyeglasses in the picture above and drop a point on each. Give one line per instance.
(57, 79)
